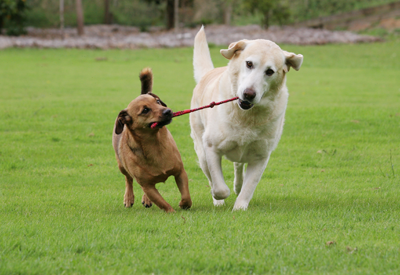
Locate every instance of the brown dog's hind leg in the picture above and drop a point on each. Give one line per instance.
(129, 198)
(153, 194)
(182, 182)
(146, 201)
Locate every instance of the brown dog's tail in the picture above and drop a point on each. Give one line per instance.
(146, 77)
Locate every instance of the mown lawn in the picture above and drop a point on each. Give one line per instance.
(328, 202)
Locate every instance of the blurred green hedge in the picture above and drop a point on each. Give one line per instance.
(141, 13)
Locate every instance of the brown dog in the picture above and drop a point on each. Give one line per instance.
(148, 155)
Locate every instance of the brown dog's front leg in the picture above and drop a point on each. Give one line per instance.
(129, 198)
(153, 194)
(182, 182)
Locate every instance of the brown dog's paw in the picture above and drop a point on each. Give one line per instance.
(184, 204)
(169, 210)
(129, 200)
(146, 201)
(128, 205)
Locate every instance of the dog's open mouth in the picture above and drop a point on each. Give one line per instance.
(245, 105)
(160, 124)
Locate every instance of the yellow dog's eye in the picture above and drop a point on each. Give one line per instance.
(249, 64)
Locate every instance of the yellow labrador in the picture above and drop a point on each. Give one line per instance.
(245, 131)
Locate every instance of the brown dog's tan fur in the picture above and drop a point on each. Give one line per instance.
(148, 155)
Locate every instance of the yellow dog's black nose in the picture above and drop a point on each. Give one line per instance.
(249, 94)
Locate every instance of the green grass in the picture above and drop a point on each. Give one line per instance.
(335, 175)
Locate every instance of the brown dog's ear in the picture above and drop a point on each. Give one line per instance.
(146, 77)
(234, 48)
(293, 60)
(122, 119)
(156, 97)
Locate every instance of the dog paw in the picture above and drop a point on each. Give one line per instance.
(146, 201)
(240, 206)
(169, 210)
(147, 205)
(185, 204)
(218, 202)
(129, 200)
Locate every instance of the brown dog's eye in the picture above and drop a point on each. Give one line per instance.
(249, 64)
(269, 72)
(158, 101)
(145, 110)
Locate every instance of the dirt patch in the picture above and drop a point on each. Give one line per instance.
(122, 37)
(390, 24)
(384, 16)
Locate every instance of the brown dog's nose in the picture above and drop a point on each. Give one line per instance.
(249, 94)
(167, 113)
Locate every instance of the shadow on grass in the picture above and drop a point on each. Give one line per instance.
(279, 204)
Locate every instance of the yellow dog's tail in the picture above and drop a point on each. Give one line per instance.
(201, 56)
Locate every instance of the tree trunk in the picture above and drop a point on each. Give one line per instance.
(1, 24)
(227, 12)
(79, 17)
(176, 14)
(170, 14)
(267, 16)
(107, 14)
(62, 18)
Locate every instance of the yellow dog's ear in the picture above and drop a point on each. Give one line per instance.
(293, 60)
(234, 48)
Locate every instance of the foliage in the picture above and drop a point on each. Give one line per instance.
(328, 202)
(45, 13)
(145, 13)
(12, 15)
(271, 10)
(138, 13)
(169, 9)
(304, 10)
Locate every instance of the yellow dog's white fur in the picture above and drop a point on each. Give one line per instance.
(241, 133)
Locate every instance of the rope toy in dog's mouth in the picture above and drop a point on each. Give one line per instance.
(211, 105)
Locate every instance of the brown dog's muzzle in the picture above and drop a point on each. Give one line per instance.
(165, 119)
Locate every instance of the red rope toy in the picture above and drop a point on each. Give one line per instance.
(211, 105)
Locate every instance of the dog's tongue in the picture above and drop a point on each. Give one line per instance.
(154, 125)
